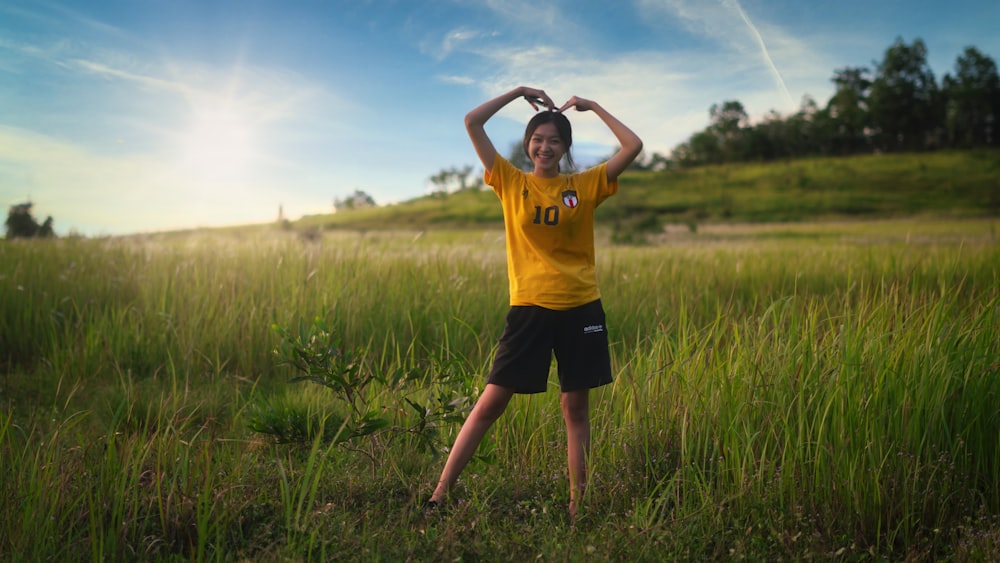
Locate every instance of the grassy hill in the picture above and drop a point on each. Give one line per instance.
(951, 184)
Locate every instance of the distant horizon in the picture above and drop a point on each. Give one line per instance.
(130, 119)
(280, 216)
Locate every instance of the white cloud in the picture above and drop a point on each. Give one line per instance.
(150, 82)
(767, 54)
(441, 47)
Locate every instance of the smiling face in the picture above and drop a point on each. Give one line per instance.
(546, 149)
(547, 138)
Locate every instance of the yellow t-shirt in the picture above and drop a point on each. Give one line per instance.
(549, 224)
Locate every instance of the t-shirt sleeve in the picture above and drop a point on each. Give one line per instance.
(598, 176)
(502, 176)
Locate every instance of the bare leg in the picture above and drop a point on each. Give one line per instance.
(488, 409)
(576, 414)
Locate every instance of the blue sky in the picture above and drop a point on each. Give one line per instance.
(130, 116)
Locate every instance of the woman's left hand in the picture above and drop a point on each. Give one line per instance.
(579, 103)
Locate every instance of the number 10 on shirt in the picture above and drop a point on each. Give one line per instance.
(549, 216)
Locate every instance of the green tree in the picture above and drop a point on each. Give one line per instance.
(806, 132)
(456, 179)
(702, 148)
(21, 224)
(729, 125)
(850, 119)
(358, 200)
(769, 139)
(972, 100)
(657, 161)
(723, 140)
(809, 129)
(906, 106)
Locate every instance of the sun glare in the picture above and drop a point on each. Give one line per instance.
(219, 145)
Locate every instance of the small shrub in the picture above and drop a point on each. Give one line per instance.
(367, 425)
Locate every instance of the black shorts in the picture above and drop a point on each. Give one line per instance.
(578, 336)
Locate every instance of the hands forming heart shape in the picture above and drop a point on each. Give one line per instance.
(539, 98)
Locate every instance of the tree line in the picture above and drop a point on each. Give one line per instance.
(898, 106)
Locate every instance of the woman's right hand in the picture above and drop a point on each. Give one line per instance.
(537, 97)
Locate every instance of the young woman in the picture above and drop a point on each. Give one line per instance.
(555, 302)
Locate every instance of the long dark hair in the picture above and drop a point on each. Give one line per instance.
(563, 128)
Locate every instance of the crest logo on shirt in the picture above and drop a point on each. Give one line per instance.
(569, 199)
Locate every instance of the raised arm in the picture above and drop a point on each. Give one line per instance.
(631, 144)
(475, 120)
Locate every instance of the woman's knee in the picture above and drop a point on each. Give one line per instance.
(575, 406)
(491, 404)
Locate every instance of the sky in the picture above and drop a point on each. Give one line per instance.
(134, 116)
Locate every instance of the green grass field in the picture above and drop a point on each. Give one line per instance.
(783, 391)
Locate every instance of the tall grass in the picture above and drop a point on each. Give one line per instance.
(789, 391)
